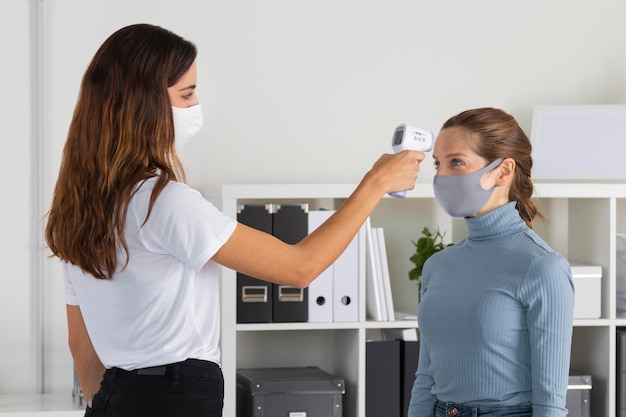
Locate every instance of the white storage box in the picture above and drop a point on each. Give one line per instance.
(578, 396)
(588, 288)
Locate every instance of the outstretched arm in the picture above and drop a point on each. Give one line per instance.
(265, 257)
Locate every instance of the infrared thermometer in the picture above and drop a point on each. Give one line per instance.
(411, 138)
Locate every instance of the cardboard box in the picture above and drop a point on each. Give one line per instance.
(588, 291)
(289, 392)
(578, 400)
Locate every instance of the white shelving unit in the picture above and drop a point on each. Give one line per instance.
(583, 221)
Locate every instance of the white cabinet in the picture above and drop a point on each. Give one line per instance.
(584, 219)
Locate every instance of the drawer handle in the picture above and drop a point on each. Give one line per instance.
(288, 294)
(254, 294)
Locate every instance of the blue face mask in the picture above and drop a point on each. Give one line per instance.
(462, 195)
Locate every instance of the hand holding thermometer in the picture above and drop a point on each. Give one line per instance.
(411, 138)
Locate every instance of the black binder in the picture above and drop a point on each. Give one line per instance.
(291, 225)
(254, 296)
(382, 378)
(409, 354)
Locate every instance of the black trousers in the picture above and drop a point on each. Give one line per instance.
(185, 389)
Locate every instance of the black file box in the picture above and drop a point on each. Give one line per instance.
(620, 391)
(290, 224)
(578, 399)
(409, 353)
(254, 300)
(382, 378)
(307, 391)
(254, 296)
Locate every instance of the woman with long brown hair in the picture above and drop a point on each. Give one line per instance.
(140, 249)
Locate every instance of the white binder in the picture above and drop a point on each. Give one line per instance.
(375, 306)
(346, 284)
(384, 268)
(321, 289)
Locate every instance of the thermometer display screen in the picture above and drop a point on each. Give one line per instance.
(397, 139)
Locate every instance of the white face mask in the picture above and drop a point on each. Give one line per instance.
(187, 122)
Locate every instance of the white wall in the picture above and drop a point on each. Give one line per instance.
(17, 219)
(306, 91)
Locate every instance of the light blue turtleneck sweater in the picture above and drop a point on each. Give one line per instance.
(495, 318)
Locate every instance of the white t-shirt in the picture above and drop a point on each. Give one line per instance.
(164, 306)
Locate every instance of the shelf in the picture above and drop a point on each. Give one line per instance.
(278, 327)
(257, 327)
(580, 190)
(397, 324)
(593, 322)
(583, 220)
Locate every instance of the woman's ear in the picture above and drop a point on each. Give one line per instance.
(506, 171)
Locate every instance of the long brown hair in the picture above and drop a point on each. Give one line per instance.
(500, 136)
(122, 133)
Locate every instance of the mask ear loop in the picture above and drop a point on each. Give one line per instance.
(488, 169)
(494, 164)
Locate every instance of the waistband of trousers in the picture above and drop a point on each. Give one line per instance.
(452, 409)
(189, 367)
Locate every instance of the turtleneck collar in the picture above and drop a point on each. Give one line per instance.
(502, 221)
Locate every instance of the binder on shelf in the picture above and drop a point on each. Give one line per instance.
(373, 291)
(346, 283)
(382, 378)
(321, 289)
(379, 274)
(384, 268)
(290, 224)
(378, 290)
(409, 355)
(334, 295)
(254, 296)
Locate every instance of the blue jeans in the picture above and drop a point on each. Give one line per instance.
(443, 409)
(190, 388)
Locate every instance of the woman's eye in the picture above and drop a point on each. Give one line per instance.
(436, 164)
(456, 163)
(188, 96)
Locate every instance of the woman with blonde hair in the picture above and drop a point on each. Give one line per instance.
(496, 309)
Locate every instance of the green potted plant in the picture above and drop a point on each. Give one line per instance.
(425, 247)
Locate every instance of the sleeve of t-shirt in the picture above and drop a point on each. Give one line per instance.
(70, 294)
(185, 225)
